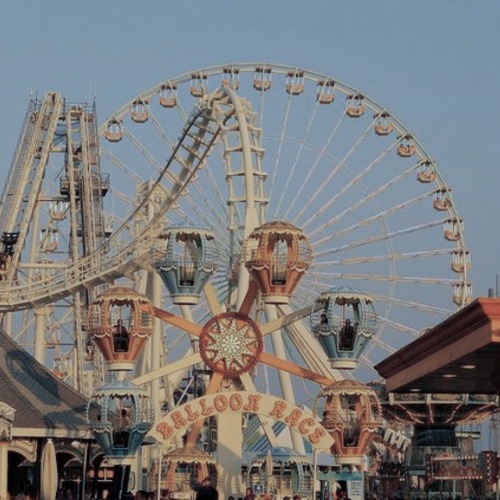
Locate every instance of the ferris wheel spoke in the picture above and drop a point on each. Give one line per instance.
(381, 237)
(212, 299)
(216, 190)
(144, 152)
(280, 146)
(313, 170)
(397, 301)
(249, 299)
(368, 198)
(386, 348)
(182, 323)
(159, 128)
(388, 277)
(262, 102)
(215, 217)
(293, 168)
(184, 116)
(121, 165)
(335, 170)
(400, 327)
(289, 367)
(216, 222)
(172, 367)
(355, 180)
(384, 258)
(294, 357)
(289, 318)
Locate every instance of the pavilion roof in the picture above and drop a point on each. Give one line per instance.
(45, 405)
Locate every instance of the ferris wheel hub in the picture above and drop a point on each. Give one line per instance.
(230, 344)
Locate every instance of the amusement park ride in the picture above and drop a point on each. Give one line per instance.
(259, 213)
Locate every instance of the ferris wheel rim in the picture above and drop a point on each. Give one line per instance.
(310, 75)
(313, 77)
(249, 67)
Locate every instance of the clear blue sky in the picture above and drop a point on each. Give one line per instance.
(435, 64)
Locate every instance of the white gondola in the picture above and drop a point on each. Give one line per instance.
(355, 107)
(198, 84)
(295, 82)
(442, 199)
(462, 293)
(383, 126)
(231, 78)
(325, 93)
(453, 229)
(114, 131)
(168, 95)
(460, 261)
(262, 79)
(426, 172)
(406, 147)
(139, 112)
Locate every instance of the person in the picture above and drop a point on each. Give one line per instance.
(121, 437)
(347, 336)
(121, 337)
(207, 491)
(324, 319)
(249, 494)
(141, 495)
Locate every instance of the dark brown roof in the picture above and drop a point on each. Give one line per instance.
(46, 406)
(460, 355)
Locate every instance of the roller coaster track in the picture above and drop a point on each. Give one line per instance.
(121, 254)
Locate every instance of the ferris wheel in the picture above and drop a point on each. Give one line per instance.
(283, 143)
(227, 149)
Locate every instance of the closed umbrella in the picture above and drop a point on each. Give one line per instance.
(48, 473)
(269, 470)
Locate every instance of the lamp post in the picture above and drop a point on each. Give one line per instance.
(7, 415)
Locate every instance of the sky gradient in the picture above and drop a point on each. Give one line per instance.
(435, 65)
